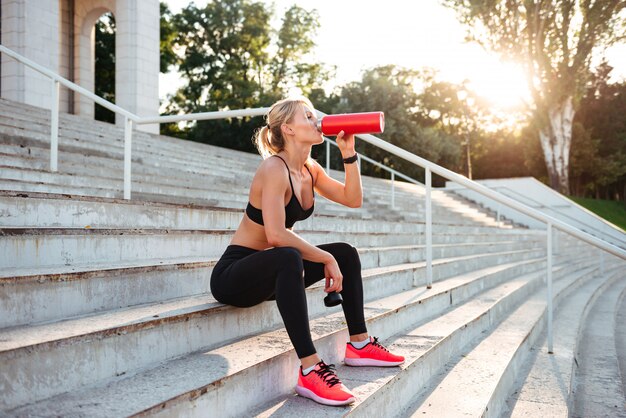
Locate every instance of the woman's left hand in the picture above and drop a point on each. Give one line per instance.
(346, 144)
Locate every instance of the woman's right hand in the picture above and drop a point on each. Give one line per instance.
(332, 273)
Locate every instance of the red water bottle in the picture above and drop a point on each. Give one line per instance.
(352, 123)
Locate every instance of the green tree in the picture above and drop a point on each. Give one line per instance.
(289, 68)
(105, 65)
(599, 167)
(499, 154)
(457, 111)
(168, 34)
(554, 40)
(391, 89)
(231, 59)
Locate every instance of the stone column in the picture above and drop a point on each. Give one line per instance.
(137, 58)
(32, 29)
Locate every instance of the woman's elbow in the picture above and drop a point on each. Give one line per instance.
(274, 238)
(356, 203)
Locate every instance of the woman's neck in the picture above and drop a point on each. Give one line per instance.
(296, 157)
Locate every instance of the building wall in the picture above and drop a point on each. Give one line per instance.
(137, 63)
(30, 28)
(40, 30)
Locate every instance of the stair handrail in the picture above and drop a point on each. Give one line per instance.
(613, 233)
(429, 166)
(57, 80)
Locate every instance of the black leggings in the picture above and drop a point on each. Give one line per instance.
(245, 277)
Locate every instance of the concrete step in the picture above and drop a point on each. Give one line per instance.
(31, 152)
(153, 185)
(485, 371)
(172, 145)
(544, 384)
(32, 114)
(50, 247)
(114, 171)
(598, 385)
(33, 298)
(34, 209)
(407, 203)
(81, 140)
(24, 179)
(28, 188)
(78, 129)
(74, 163)
(241, 370)
(223, 186)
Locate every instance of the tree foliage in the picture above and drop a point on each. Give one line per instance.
(555, 40)
(391, 89)
(231, 59)
(105, 65)
(166, 43)
(599, 158)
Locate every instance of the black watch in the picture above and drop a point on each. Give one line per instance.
(350, 160)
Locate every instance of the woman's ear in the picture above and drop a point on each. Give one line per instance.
(286, 129)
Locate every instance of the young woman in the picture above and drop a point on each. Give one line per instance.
(267, 260)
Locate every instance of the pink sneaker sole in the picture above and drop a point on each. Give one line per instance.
(304, 392)
(371, 362)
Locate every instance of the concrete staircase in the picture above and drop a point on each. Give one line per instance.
(106, 310)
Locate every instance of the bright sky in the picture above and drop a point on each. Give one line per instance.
(360, 34)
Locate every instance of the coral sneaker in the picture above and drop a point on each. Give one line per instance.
(373, 354)
(323, 386)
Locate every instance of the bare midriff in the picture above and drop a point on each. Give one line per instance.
(251, 235)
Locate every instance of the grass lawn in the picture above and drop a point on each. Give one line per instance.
(612, 211)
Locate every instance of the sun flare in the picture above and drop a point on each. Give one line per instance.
(502, 84)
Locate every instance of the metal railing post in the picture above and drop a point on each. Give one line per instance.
(54, 127)
(128, 136)
(556, 241)
(549, 295)
(429, 233)
(328, 157)
(393, 191)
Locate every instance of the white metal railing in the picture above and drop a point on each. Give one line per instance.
(427, 165)
(554, 209)
(533, 203)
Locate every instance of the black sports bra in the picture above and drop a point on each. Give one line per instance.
(293, 210)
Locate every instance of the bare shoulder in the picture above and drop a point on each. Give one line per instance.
(274, 170)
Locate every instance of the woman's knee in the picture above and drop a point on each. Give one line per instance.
(344, 253)
(290, 258)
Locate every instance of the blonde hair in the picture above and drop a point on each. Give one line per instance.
(269, 139)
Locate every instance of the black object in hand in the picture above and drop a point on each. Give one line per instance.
(333, 299)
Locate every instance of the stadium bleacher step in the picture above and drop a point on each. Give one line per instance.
(326, 329)
(485, 372)
(33, 209)
(544, 384)
(105, 303)
(166, 151)
(38, 294)
(426, 347)
(598, 383)
(58, 247)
